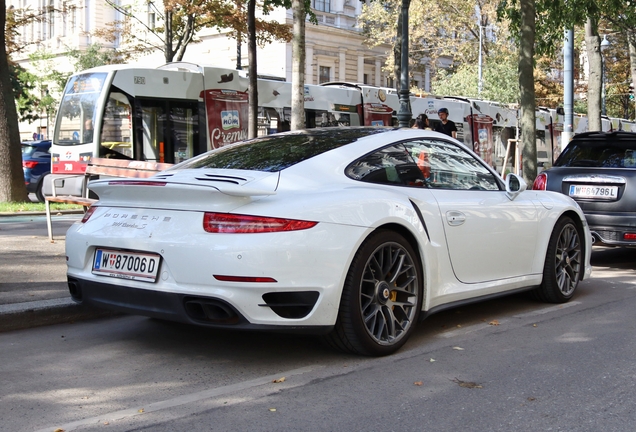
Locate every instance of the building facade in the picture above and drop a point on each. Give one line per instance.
(335, 49)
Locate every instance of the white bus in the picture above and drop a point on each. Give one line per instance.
(179, 110)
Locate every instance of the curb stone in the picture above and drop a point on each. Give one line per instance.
(19, 316)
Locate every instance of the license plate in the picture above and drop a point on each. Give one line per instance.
(139, 266)
(598, 192)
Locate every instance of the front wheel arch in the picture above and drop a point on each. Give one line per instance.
(564, 262)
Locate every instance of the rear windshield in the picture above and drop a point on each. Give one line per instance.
(277, 152)
(27, 149)
(616, 154)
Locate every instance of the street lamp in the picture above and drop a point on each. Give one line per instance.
(605, 44)
(404, 114)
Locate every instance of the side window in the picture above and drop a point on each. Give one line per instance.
(445, 165)
(390, 165)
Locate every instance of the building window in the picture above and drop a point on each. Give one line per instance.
(51, 13)
(321, 5)
(324, 74)
(365, 79)
(151, 16)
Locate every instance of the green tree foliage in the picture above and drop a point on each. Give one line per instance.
(500, 80)
(437, 30)
(618, 77)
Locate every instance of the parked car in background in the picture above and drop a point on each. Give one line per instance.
(352, 233)
(36, 162)
(598, 170)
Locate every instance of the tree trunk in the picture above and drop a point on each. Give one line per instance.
(298, 66)
(252, 128)
(526, 87)
(595, 77)
(167, 36)
(631, 41)
(12, 188)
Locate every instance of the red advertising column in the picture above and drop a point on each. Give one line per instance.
(376, 114)
(227, 115)
(482, 133)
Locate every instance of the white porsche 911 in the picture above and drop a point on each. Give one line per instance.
(352, 233)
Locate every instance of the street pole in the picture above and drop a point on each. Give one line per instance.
(404, 114)
(604, 45)
(480, 84)
(568, 88)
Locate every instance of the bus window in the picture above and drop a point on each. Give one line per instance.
(77, 108)
(185, 130)
(167, 130)
(116, 134)
(151, 131)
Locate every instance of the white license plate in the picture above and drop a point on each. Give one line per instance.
(598, 192)
(126, 265)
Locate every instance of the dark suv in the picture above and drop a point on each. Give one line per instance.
(598, 170)
(36, 163)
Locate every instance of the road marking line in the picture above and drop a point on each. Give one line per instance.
(177, 401)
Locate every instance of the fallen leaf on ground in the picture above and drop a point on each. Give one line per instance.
(534, 325)
(432, 360)
(418, 383)
(279, 380)
(494, 322)
(458, 348)
(141, 410)
(531, 399)
(466, 384)
(272, 409)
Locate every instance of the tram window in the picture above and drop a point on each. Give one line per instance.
(115, 139)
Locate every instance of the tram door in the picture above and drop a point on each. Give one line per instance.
(167, 131)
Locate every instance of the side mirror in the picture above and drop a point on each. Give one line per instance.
(514, 186)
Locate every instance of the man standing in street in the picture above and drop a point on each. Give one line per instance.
(446, 126)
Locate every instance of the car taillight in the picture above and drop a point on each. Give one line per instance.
(89, 213)
(257, 279)
(629, 236)
(236, 223)
(541, 182)
(29, 164)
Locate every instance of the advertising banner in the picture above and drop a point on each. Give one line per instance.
(227, 116)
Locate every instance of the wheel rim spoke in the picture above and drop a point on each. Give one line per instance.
(390, 268)
(568, 259)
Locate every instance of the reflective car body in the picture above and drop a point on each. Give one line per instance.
(598, 170)
(36, 163)
(349, 232)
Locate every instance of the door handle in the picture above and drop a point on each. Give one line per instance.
(455, 218)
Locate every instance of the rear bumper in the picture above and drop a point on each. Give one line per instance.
(610, 229)
(188, 309)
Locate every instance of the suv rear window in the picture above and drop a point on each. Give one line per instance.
(595, 153)
(277, 152)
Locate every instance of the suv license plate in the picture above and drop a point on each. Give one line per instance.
(139, 266)
(598, 192)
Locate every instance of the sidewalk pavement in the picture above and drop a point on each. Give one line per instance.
(33, 288)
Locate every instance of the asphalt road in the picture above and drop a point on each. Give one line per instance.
(502, 365)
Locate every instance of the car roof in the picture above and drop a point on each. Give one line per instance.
(37, 142)
(602, 136)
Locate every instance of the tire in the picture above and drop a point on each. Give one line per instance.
(39, 194)
(563, 263)
(375, 317)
